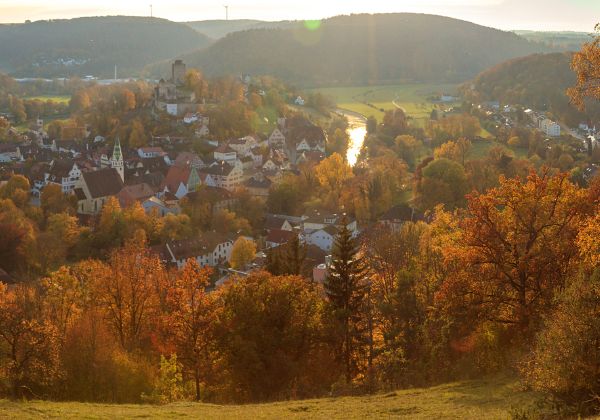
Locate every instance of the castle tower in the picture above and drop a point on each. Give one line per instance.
(116, 161)
(178, 72)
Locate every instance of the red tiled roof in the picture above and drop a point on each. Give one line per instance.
(175, 176)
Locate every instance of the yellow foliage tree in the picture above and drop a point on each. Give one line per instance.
(243, 252)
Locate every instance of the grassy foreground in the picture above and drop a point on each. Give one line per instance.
(481, 399)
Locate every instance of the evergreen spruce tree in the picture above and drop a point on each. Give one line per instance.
(346, 286)
(275, 263)
(295, 254)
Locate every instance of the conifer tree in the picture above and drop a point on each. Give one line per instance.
(295, 254)
(346, 286)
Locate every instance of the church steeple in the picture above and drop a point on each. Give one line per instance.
(116, 161)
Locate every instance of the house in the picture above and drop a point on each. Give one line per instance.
(154, 205)
(319, 220)
(211, 249)
(129, 194)
(243, 145)
(395, 217)
(311, 157)
(549, 127)
(304, 137)
(276, 138)
(189, 159)
(257, 156)
(190, 118)
(72, 147)
(278, 223)
(95, 187)
(9, 152)
(258, 185)
(218, 198)
(224, 175)
(151, 152)
(65, 173)
(277, 237)
(181, 180)
(224, 153)
(299, 101)
(553, 130)
(323, 238)
(203, 131)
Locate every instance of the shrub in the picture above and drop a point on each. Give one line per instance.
(565, 362)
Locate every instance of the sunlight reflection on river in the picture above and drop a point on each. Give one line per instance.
(357, 130)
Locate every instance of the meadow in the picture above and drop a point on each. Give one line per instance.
(413, 98)
(496, 398)
(56, 98)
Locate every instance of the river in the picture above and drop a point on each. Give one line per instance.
(357, 130)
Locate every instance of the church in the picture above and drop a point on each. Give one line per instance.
(94, 188)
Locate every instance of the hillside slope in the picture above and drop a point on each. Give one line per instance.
(493, 399)
(365, 48)
(216, 29)
(93, 45)
(538, 81)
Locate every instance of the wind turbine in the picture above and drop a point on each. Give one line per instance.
(226, 12)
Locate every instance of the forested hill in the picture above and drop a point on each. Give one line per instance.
(216, 29)
(365, 48)
(93, 45)
(538, 81)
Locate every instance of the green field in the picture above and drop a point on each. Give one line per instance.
(370, 100)
(481, 399)
(55, 98)
(480, 149)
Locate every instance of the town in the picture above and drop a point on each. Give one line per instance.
(368, 215)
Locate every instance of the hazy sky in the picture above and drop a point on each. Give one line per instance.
(580, 15)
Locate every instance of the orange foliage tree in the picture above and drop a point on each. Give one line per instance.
(516, 247)
(190, 319)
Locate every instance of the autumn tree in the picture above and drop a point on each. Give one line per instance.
(454, 150)
(80, 101)
(407, 148)
(271, 350)
(588, 241)
(564, 361)
(332, 174)
(127, 292)
(443, 181)
(53, 200)
(346, 285)
(226, 221)
(137, 136)
(63, 299)
(337, 142)
(17, 189)
(190, 320)
(586, 65)
(242, 253)
(61, 235)
(19, 238)
(517, 247)
(29, 343)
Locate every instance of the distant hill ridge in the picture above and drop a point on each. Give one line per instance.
(216, 29)
(364, 49)
(93, 45)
